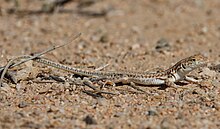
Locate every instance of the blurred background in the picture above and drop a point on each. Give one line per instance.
(122, 26)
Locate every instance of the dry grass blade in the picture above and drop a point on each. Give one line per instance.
(4, 69)
(102, 67)
(10, 64)
(97, 91)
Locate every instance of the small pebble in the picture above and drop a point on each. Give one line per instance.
(163, 45)
(151, 113)
(208, 72)
(89, 120)
(104, 38)
(102, 101)
(18, 87)
(215, 68)
(204, 30)
(22, 104)
(135, 46)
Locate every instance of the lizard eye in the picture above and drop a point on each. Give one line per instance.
(193, 59)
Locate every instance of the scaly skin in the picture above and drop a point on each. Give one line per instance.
(175, 73)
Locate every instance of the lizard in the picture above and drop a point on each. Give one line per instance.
(168, 77)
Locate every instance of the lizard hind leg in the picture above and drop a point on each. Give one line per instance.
(115, 81)
(89, 83)
(132, 84)
(173, 85)
(170, 84)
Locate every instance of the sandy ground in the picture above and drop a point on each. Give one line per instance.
(136, 36)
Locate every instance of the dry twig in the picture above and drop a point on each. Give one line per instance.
(10, 64)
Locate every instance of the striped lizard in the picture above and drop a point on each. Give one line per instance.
(176, 73)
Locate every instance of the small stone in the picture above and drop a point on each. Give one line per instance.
(151, 113)
(18, 87)
(205, 84)
(215, 68)
(204, 30)
(208, 72)
(11, 76)
(215, 83)
(3, 85)
(163, 45)
(22, 104)
(89, 120)
(104, 38)
(135, 46)
(135, 29)
(102, 101)
(96, 10)
(217, 105)
(85, 3)
(30, 124)
(119, 114)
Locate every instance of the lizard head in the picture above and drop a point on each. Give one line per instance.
(193, 62)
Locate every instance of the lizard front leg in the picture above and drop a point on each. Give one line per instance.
(192, 80)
